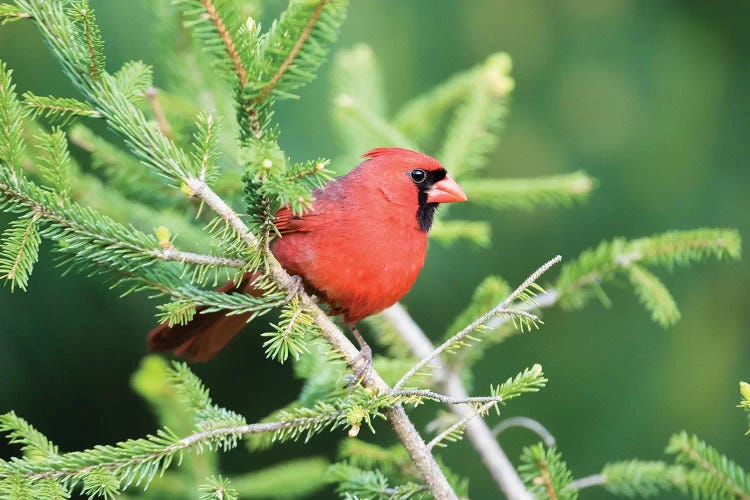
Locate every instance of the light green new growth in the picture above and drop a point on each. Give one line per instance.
(292, 333)
(654, 296)
(545, 473)
(10, 13)
(218, 488)
(745, 402)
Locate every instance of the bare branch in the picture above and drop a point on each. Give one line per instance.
(528, 423)
(588, 482)
(173, 254)
(457, 425)
(446, 399)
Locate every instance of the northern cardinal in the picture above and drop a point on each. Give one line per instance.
(359, 248)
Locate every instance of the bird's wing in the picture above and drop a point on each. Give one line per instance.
(286, 222)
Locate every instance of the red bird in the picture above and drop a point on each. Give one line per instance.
(359, 247)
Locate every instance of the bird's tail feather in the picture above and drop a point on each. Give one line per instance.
(206, 334)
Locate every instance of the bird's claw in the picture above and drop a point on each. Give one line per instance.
(295, 289)
(363, 371)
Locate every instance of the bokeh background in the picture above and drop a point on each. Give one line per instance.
(651, 98)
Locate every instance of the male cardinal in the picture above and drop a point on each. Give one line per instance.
(359, 247)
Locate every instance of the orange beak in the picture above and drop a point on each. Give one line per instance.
(446, 191)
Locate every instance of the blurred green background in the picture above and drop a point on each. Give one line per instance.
(651, 98)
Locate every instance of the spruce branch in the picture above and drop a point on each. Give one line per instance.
(218, 488)
(133, 461)
(293, 53)
(217, 26)
(500, 309)
(226, 38)
(134, 79)
(288, 56)
(55, 164)
(546, 474)
(552, 191)
(633, 478)
(582, 276)
(654, 296)
(724, 476)
(484, 442)
(87, 32)
(451, 231)
(470, 136)
(20, 250)
(9, 13)
(61, 110)
(11, 116)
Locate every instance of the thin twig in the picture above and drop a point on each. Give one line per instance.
(437, 439)
(442, 398)
(588, 481)
(161, 118)
(501, 308)
(527, 423)
(173, 254)
(412, 441)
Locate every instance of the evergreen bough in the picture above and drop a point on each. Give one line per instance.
(100, 220)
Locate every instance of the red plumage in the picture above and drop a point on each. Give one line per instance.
(359, 248)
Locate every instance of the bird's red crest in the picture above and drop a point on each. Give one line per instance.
(403, 155)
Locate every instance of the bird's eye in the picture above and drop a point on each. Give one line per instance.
(418, 175)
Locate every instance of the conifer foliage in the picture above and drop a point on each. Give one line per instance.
(223, 153)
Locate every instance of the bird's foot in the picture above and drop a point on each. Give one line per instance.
(295, 289)
(361, 365)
